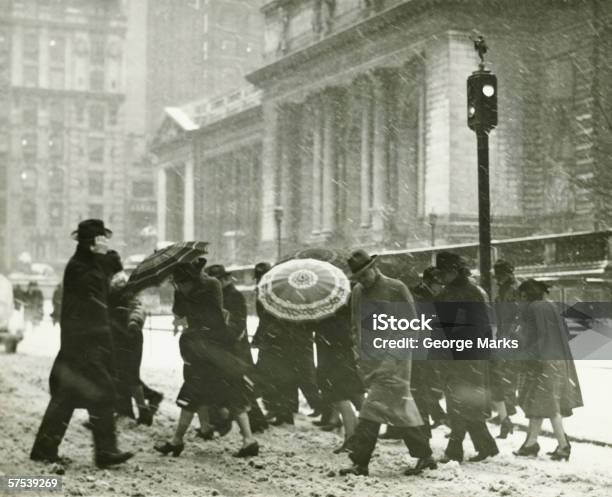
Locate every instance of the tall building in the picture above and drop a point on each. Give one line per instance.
(62, 94)
(199, 49)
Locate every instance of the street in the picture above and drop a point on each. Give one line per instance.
(294, 461)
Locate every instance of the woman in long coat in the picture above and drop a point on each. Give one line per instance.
(213, 375)
(548, 384)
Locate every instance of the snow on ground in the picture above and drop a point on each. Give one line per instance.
(295, 461)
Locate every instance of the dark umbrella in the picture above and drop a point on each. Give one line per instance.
(158, 266)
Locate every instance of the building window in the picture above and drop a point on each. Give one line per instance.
(28, 213)
(30, 75)
(57, 80)
(113, 114)
(30, 113)
(96, 80)
(95, 148)
(79, 110)
(56, 114)
(56, 180)
(96, 117)
(29, 145)
(57, 50)
(96, 211)
(142, 189)
(30, 46)
(56, 145)
(97, 50)
(55, 214)
(96, 183)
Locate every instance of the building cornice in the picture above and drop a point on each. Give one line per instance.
(91, 95)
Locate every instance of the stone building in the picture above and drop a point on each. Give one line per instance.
(62, 91)
(364, 135)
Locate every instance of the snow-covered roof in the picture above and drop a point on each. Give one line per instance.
(181, 118)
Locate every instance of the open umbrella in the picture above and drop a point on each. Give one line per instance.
(303, 290)
(154, 269)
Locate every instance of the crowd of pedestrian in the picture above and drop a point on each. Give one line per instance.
(98, 366)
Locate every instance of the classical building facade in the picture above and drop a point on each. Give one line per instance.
(62, 92)
(364, 139)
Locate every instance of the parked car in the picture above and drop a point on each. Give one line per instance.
(11, 317)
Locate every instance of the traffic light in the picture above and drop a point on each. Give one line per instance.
(482, 101)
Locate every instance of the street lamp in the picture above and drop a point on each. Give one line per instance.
(482, 119)
(433, 218)
(278, 217)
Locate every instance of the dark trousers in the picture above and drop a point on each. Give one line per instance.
(56, 420)
(479, 433)
(363, 442)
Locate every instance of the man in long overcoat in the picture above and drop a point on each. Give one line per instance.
(389, 399)
(82, 374)
(463, 315)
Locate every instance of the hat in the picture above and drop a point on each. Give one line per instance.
(199, 263)
(89, 229)
(260, 269)
(432, 275)
(112, 262)
(217, 271)
(184, 271)
(534, 287)
(360, 261)
(450, 261)
(503, 266)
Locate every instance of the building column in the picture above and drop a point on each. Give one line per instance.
(269, 172)
(162, 204)
(328, 171)
(188, 199)
(379, 155)
(366, 156)
(317, 160)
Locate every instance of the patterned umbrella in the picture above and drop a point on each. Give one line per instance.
(153, 270)
(303, 290)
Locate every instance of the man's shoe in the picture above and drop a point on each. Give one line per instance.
(145, 417)
(422, 464)
(49, 458)
(355, 469)
(106, 459)
(250, 450)
(154, 401)
(481, 456)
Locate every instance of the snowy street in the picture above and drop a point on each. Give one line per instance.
(294, 461)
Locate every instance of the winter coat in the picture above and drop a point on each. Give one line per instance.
(127, 317)
(389, 398)
(548, 383)
(235, 304)
(463, 314)
(83, 370)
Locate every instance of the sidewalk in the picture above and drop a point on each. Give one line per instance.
(591, 423)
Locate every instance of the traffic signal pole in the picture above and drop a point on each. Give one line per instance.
(484, 211)
(482, 119)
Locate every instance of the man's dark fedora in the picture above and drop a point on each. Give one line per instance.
(359, 261)
(217, 271)
(89, 229)
(450, 261)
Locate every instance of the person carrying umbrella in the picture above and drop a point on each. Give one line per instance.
(81, 376)
(213, 375)
(127, 317)
(389, 400)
